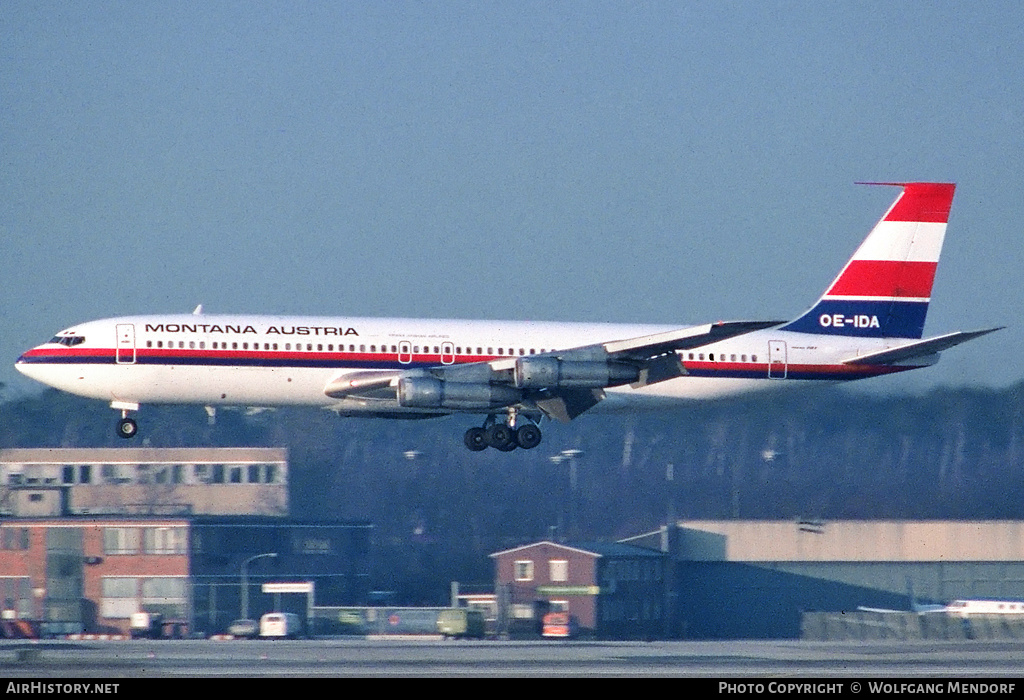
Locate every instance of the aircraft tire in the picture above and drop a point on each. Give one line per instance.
(127, 428)
(528, 436)
(501, 437)
(476, 439)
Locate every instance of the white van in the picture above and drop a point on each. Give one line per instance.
(280, 625)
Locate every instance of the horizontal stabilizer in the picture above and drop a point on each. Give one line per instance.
(921, 348)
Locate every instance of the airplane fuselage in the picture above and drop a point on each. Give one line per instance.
(869, 322)
(277, 360)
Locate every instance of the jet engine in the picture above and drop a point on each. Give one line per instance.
(551, 372)
(428, 392)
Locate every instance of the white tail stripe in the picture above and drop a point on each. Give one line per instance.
(914, 241)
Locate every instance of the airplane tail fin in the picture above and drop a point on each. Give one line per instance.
(884, 290)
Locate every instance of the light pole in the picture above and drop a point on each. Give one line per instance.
(569, 456)
(245, 581)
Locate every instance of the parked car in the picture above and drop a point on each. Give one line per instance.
(245, 629)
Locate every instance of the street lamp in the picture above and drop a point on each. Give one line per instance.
(569, 456)
(245, 581)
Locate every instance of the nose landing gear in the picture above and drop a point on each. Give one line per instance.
(126, 427)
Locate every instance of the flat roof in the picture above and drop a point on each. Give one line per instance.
(851, 540)
(142, 455)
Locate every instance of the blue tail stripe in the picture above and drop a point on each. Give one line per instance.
(864, 319)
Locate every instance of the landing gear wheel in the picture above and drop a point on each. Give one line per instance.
(476, 439)
(528, 436)
(501, 437)
(127, 428)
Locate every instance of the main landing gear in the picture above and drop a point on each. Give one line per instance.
(505, 436)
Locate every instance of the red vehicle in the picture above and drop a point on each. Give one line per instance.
(558, 625)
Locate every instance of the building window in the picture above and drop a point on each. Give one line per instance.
(120, 596)
(163, 540)
(523, 570)
(559, 570)
(120, 540)
(14, 538)
(166, 595)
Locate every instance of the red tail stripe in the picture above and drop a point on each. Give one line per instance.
(923, 201)
(885, 278)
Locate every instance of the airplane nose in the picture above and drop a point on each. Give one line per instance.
(24, 365)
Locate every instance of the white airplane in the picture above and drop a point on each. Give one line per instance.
(869, 322)
(957, 608)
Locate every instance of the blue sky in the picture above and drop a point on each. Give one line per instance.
(663, 162)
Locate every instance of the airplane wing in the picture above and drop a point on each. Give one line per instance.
(921, 348)
(636, 361)
(561, 384)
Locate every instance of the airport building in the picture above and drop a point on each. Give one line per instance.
(144, 481)
(757, 579)
(88, 537)
(612, 590)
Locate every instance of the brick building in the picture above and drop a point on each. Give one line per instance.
(615, 591)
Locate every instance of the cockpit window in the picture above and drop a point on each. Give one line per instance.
(68, 340)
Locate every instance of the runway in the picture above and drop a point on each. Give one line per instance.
(388, 658)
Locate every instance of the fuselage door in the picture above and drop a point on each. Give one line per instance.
(405, 352)
(777, 365)
(447, 353)
(125, 344)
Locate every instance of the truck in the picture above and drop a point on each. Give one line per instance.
(280, 625)
(460, 623)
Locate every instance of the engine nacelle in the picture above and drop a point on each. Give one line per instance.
(428, 392)
(551, 372)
